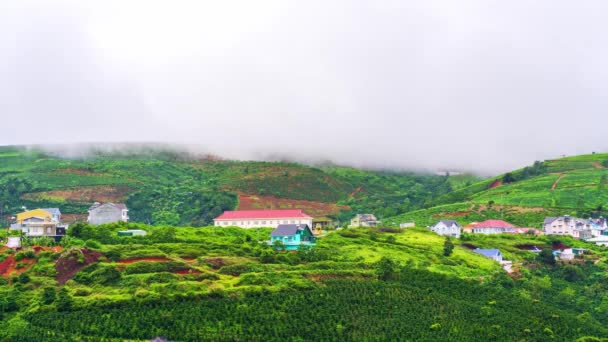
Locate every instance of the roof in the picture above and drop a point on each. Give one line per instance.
(494, 224)
(447, 223)
(54, 211)
(289, 229)
(549, 220)
(490, 253)
(120, 206)
(262, 214)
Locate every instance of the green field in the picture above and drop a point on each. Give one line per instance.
(210, 283)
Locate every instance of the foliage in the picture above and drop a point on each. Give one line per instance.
(448, 247)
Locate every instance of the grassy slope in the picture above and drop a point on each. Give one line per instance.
(168, 188)
(226, 263)
(565, 186)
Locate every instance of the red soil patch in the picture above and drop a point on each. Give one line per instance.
(150, 259)
(72, 218)
(188, 271)
(97, 193)
(6, 265)
(68, 263)
(559, 246)
(315, 209)
(495, 184)
(457, 214)
(598, 165)
(188, 258)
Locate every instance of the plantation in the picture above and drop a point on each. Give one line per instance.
(210, 283)
(575, 186)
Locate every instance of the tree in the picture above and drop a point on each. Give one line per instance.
(448, 246)
(385, 268)
(546, 256)
(508, 178)
(48, 295)
(278, 245)
(64, 300)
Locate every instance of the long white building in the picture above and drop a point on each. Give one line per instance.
(262, 218)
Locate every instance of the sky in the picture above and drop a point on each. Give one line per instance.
(485, 86)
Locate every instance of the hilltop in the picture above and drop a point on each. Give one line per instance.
(170, 187)
(573, 185)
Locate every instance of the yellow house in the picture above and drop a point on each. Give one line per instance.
(39, 213)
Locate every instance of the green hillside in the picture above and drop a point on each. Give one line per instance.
(573, 185)
(211, 283)
(171, 187)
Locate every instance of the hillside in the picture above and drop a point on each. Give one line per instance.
(174, 188)
(573, 185)
(198, 284)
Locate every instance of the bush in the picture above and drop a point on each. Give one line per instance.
(238, 269)
(92, 244)
(24, 278)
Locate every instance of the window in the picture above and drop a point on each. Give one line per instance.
(293, 221)
(48, 230)
(256, 222)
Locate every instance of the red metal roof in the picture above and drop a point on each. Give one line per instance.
(494, 224)
(262, 214)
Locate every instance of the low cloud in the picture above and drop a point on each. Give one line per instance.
(485, 86)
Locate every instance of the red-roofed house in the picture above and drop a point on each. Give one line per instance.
(262, 218)
(493, 227)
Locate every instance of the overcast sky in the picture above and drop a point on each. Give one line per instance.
(479, 85)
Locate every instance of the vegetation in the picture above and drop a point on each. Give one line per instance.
(170, 188)
(215, 283)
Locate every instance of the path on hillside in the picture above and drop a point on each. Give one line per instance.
(561, 175)
(598, 165)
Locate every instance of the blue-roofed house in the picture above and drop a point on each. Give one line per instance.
(292, 236)
(493, 254)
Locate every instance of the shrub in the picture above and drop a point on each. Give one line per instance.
(24, 278)
(238, 269)
(92, 244)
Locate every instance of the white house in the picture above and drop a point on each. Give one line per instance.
(493, 227)
(108, 213)
(447, 228)
(262, 218)
(572, 226)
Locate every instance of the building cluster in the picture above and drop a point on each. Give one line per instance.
(47, 222)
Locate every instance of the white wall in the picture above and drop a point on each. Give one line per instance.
(257, 223)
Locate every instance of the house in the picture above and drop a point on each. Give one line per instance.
(407, 224)
(40, 223)
(108, 213)
(292, 236)
(601, 240)
(493, 254)
(493, 227)
(364, 220)
(447, 228)
(262, 218)
(575, 227)
(565, 254)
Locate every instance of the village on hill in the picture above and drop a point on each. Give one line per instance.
(293, 228)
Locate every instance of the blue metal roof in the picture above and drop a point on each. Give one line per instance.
(490, 253)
